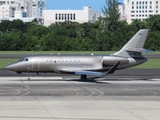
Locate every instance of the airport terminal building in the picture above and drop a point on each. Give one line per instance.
(80, 16)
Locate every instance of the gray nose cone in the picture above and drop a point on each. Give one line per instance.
(10, 67)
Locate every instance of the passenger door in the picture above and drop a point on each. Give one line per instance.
(35, 65)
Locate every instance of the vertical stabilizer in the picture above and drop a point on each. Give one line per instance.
(134, 45)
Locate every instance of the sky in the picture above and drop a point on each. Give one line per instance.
(75, 4)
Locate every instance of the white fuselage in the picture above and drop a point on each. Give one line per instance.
(62, 63)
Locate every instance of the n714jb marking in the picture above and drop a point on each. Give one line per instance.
(83, 65)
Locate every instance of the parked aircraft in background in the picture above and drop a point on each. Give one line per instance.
(83, 65)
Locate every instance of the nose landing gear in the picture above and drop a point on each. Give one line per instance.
(28, 75)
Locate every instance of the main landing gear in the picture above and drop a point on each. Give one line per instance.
(84, 77)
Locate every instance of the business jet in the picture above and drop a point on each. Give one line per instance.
(85, 65)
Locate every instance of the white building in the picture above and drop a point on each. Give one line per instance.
(22, 9)
(141, 9)
(121, 8)
(35, 8)
(81, 16)
(7, 8)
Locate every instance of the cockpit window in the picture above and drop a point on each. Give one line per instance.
(26, 59)
(23, 59)
(20, 60)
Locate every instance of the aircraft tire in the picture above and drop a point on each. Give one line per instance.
(84, 77)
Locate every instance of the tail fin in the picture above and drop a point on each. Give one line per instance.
(134, 47)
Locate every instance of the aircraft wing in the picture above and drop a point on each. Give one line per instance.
(93, 73)
(99, 74)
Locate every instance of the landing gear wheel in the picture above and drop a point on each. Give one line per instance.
(84, 77)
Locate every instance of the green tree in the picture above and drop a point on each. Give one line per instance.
(137, 24)
(111, 12)
(7, 26)
(153, 23)
(5, 42)
(152, 42)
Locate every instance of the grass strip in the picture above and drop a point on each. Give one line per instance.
(4, 62)
(150, 64)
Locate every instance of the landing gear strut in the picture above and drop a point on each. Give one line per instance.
(84, 77)
(28, 75)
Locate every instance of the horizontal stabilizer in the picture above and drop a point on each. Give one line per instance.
(138, 50)
(134, 49)
(148, 51)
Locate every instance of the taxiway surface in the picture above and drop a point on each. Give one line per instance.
(119, 96)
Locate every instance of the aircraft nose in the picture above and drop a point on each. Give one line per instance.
(10, 67)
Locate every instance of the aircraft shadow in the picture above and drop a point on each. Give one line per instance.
(92, 80)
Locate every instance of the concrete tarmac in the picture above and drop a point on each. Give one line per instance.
(65, 97)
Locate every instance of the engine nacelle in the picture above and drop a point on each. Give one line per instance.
(112, 60)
